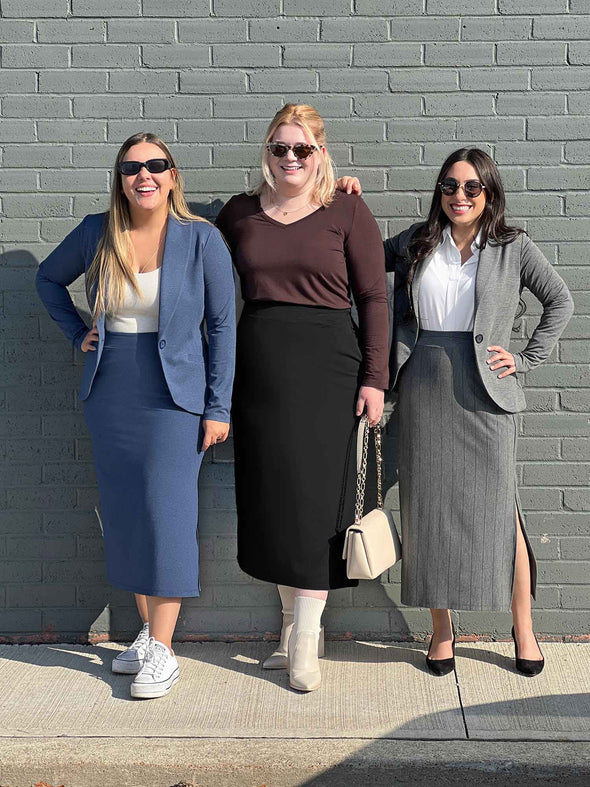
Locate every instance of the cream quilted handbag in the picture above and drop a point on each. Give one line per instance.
(371, 544)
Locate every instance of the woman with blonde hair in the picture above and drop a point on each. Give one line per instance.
(304, 374)
(156, 385)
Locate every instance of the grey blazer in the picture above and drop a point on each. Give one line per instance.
(502, 273)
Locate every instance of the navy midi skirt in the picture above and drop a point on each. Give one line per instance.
(147, 458)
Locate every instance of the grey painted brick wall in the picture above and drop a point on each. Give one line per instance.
(400, 83)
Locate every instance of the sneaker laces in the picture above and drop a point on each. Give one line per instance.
(140, 642)
(155, 657)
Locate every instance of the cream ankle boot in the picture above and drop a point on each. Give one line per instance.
(304, 645)
(280, 658)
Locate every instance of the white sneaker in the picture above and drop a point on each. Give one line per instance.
(158, 674)
(130, 661)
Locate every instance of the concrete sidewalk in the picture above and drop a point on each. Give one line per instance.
(380, 718)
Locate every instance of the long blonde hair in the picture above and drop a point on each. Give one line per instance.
(110, 269)
(309, 119)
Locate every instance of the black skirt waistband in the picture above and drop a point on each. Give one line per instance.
(295, 312)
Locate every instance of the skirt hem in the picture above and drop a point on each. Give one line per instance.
(292, 583)
(159, 594)
(445, 605)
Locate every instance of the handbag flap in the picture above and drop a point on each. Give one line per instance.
(373, 546)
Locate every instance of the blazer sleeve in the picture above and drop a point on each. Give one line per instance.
(220, 316)
(62, 267)
(540, 277)
(397, 246)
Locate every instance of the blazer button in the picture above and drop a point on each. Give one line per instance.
(478, 339)
(163, 344)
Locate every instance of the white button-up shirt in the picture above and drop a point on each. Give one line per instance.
(446, 301)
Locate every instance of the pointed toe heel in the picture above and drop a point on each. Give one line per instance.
(280, 659)
(304, 668)
(528, 667)
(441, 667)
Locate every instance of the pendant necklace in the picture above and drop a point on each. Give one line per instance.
(141, 268)
(288, 212)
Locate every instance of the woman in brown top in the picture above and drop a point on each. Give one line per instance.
(304, 374)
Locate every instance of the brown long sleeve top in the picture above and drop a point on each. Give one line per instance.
(319, 260)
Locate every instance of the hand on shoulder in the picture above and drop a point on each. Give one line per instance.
(349, 185)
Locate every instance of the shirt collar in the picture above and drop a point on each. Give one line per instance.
(448, 238)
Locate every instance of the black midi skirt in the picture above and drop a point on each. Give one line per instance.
(297, 378)
(457, 481)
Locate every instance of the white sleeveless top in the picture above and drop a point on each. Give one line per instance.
(138, 314)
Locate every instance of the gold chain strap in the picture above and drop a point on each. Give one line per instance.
(379, 455)
(361, 478)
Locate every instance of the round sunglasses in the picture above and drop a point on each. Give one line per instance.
(300, 150)
(471, 188)
(154, 165)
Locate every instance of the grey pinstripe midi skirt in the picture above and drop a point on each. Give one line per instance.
(457, 480)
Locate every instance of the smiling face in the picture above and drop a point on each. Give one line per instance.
(462, 210)
(293, 175)
(147, 191)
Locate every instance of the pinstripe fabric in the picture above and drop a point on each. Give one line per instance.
(457, 480)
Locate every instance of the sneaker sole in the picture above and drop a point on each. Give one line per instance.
(148, 691)
(126, 667)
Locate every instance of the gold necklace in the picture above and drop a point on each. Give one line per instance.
(287, 212)
(141, 268)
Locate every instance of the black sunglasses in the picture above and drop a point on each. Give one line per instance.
(471, 188)
(301, 151)
(154, 165)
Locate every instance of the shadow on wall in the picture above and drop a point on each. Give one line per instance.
(207, 210)
(53, 568)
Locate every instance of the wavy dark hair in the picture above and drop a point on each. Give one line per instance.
(492, 221)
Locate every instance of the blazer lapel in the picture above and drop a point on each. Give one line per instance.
(488, 259)
(174, 262)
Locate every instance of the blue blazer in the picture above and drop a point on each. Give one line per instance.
(196, 334)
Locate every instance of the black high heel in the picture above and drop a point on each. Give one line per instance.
(528, 667)
(440, 667)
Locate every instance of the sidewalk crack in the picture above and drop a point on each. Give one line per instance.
(461, 706)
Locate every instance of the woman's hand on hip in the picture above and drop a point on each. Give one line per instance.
(349, 184)
(502, 359)
(215, 432)
(89, 340)
(371, 400)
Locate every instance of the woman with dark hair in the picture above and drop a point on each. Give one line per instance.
(458, 280)
(156, 385)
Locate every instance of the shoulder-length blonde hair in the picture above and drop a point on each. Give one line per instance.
(111, 268)
(309, 119)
